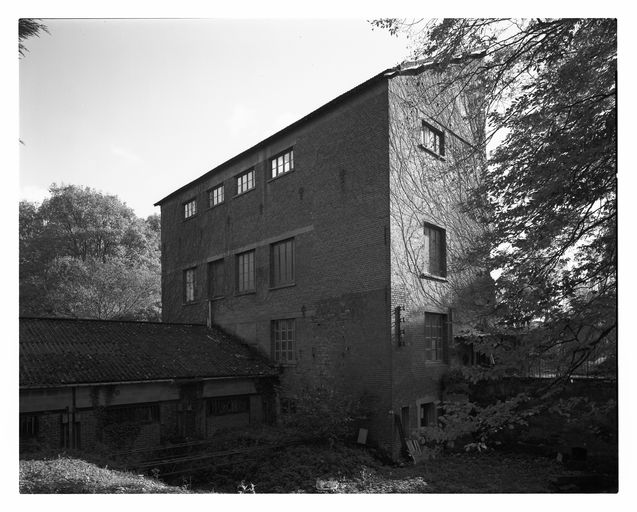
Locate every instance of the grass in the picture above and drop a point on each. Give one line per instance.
(320, 468)
(65, 475)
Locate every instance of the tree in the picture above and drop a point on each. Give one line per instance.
(86, 254)
(547, 197)
(27, 28)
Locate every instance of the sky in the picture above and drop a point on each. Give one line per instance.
(139, 107)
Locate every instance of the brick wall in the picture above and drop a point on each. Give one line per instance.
(335, 204)
(426, 188)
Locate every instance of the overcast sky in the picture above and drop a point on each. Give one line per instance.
(138, 108)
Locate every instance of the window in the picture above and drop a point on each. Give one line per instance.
(228, 405)
(428, 415)
(435, 251)
(215, 196)
(216, 281)
(282, 263)
(189, 285)
(132, 414)
(29, 426)
(435, 329)
(190, 208)
(432, 139)
(245, 271)
(282, 163)
(245, 182)
(283, 340)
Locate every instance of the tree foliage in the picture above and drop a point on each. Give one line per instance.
(27, 28)
(86, 254)
(548, 194)
(547, 197)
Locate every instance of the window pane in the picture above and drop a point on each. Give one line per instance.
(283, 340)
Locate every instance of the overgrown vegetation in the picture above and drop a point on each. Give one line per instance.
(64, 475)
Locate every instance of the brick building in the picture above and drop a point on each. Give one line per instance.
(331, 245)
(132, 385)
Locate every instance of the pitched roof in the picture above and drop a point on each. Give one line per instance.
(57, 352)
(406, 68)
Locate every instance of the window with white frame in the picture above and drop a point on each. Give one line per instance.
(432, 139)
(245, 181)
(245, 272)
(190, 208)
(435, 333)
(282, 163)
(29, 426)
(283, 340)
(215, 196)
(189, 285)
(435, 251)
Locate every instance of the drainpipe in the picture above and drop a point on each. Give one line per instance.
(72, 421)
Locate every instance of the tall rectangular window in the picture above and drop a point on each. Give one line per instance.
(433, 139)
(428, 414)
(282, 163)
(435, 251)
(435, 331)
(215, 196)
(283, 340)
(245, 272)
(189, 285)
(190, 208)
(282, 263)
(216, 281)
(245, 181)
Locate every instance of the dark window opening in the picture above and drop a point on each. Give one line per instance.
(435, 251)
(245, 272)
(282, 263)
(228, 405)
(433, 139)
(216, 279)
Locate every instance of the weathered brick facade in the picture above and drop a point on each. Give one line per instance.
(339, 205)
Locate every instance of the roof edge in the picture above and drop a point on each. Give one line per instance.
(404, 68)
(145, 322)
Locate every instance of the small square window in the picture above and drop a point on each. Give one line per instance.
(245, 182)
(190, 208)
(282, 263)
(435, 251)
(245, 272)
(215, 196)
(189, 285)
(284, 340)
(282, 163)
(433, 139)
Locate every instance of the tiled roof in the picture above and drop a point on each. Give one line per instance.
(56, 352)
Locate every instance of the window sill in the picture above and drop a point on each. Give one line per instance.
(289, 364)
(249, 292)
(435, 363)
(216, 205)
(186, 219)
(280, 176)
(279, 287)
(433, 277)
(244, 193)
(191, 303)
(216, 297)
(433, 153)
